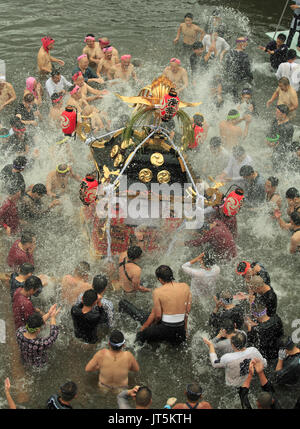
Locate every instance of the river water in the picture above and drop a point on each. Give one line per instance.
(145, 30)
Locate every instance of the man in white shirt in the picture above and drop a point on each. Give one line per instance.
(218, 43)
(236, 364)
(290, 69)
(57, 84)
(215, 158)
(236, 161)
(204, 277)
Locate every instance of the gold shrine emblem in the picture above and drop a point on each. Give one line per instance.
(163, 176)
(157, 159)
(145, 175)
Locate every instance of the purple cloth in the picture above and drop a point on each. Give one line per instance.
(34, 351)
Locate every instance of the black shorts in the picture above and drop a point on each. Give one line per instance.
(173, 333)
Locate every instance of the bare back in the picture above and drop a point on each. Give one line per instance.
(114, 367)
(231, 134)
(72, 287)
(173, 298)
(133, 272)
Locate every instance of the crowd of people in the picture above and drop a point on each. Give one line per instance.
(247, 336)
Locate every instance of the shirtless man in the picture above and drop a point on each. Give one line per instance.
(58, 180)
(113, 365)
(106, 64)
(105, 43)
(295, 239)
(124, 70)
(78, 80)
(44, 59)
(76, 100)
(88, 74)
(285, 94)
(99, 120)
(231, 134)
(76, 284)
(92, 50)
(177, 74)
(129, 271)
(171, 306)
(271, 195)
(189, 31)
(56, 110)
(7, 94)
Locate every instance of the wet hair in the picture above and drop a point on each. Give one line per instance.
(197, 45)
(99, 283)
(55, 72)
(32, 282)
(246, 170)
(164, 273)
(238, 151)
(27, 237)
(198, 119)
(193, 391)
(273, 180)
(215, 142)
(286, 342)
(89, 297)
(265, 400)
(281, 37)
(189, 15)
(228, 325)
(68, 391)
(226, 296)
(292, 193)
(284, 80)
(35, 320)
(233, 112)
(39, 189)
(55, 97)
(83, 268)
(208, 259)
(20, 162)
(143, 396)
(295, 217)
(134, 252)
(26, 269)
(116, 337)
(28, 98)
(90, 35)
(239, 340)
(291, 54)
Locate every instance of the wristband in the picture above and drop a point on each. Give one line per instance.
(167, 406)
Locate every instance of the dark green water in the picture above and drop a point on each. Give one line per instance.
(146, 30)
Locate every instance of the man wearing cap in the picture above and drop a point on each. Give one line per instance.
(254, 186)
(113, 364)
(286, 95)
(88, 74)
(7, 93)
(193, 393)
(44, 59)
(11, 176)
(30, 206)
(124, 70)
(57, 84)
(177, 74)
(290, 69)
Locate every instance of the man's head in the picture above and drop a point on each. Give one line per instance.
(28, 240)
(38, 191)
(68, 391)
(75, 92)
(228, 325)
(188, 19)
(19, 163)
(281, 38)
(26, 269)
(82, 270)
(34, 323)
(78, 79)
(99, 283)
(198, 119)
(226, 297)
(284, 83)
(244, 269)
(175, 65)
(241, 43)
(89, 298)
(233, 116)
(247, 172)
(198, 48)
(57, 99)
(291, 55)
(295, 219)
(286, 343)
(108, 52)
(258, 309)
(90, 40)
(215, 144)
(32, 284)
(55, 76)
(256, 283)
(238, 153)
(62, 169)
(116, 340)
(292, 195)
(264, 401)
(271, 184)
(125, 61)
(103, 42)
(239, 341)
(143, 397)
(193, 392)
(28, 100)
(282, 112)
(134, 252)
(164, 274)
(246, 94)
(208, 260)
(83, 61)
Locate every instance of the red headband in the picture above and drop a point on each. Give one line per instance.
(89, 38)
(57, 99)
(104, 42)
(76, 75)
(20, 130)
(175, 60)
(46, 41)
(75, 90)
(243, 273)
(125, 57)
